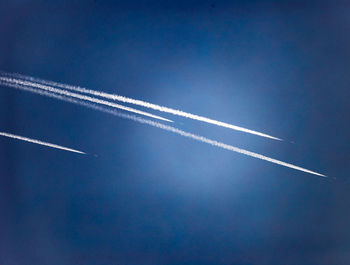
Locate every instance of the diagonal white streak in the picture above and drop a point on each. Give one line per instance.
(166, 128)
(79, 96)
(219, 144)
(146, 105)
(209, 141)
(34, 141)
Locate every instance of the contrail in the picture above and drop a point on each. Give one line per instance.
(207, 140)
(145, 104)
(218, 144)
(166, 128)
(34, 141)
(79, 96)
(163, 127)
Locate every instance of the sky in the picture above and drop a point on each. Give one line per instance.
(142, 195)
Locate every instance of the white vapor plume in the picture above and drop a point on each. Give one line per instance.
(79, 96)
(146, 105)
(34, 141)
(163, 127)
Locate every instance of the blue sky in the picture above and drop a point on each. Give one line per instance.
(152, 197)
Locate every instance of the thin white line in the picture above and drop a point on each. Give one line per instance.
(34, 141)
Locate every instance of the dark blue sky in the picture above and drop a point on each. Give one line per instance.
(152, 197)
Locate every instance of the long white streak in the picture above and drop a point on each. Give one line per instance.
(34, 141)
(166, 128)
(79, 96)
(219, 144)
(146, 105)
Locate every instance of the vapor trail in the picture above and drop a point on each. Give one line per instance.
(34, 141)
(165, 127)
(218, 144)
(79, 96)
(206, 140)
(146, 105)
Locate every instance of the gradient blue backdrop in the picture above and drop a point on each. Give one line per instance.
(151, 197)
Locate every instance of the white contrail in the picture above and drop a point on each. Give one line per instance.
(146, 105)
(218, 144)
(165, 127)
(34, 141)
(208, 141)
(79, 96)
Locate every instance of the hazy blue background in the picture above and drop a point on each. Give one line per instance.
(152, 197)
